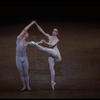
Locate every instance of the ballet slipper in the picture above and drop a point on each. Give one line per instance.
(29, 89)
(23, 89)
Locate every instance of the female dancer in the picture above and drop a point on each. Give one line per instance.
(21, 57)
(52, 50)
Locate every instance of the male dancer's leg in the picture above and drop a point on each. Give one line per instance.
(19, 66)
(26, 73)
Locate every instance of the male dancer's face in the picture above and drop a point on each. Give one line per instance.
(26, 35)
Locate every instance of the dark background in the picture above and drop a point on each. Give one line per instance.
(13, 11)
(78, 74)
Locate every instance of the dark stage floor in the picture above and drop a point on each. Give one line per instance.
(77, 75)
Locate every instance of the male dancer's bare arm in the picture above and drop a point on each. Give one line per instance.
(25, 29)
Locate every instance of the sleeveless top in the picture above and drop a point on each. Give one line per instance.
(52, 46)
(55, 48)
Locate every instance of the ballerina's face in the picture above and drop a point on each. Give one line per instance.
(55, 31)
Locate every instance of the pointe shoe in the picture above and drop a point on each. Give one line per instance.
(33, 42)
(53, 84)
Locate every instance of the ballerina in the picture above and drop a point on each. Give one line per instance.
(52, 50)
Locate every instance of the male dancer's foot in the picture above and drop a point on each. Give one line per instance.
(28, 88)
(23, 89)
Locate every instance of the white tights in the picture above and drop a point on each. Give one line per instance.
(23, 67)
